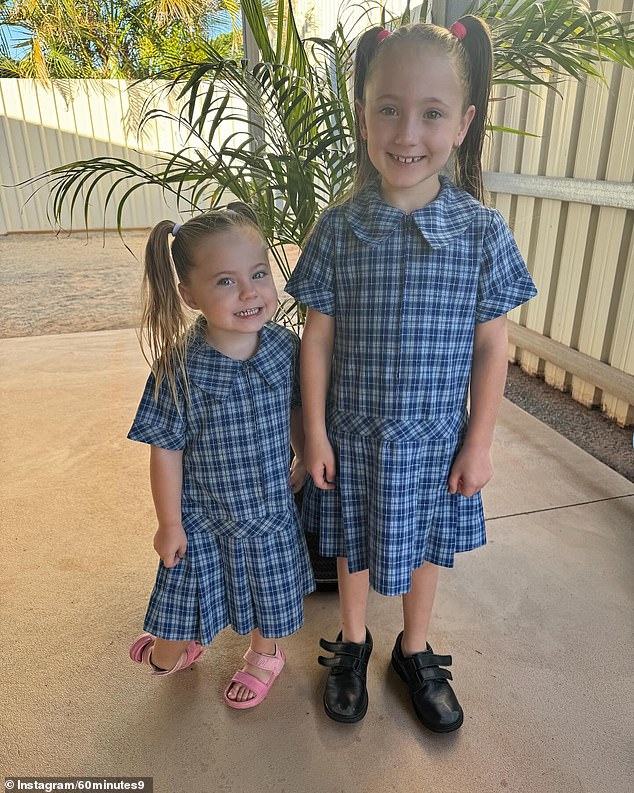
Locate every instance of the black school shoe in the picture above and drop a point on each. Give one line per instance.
(346, 695)
(433, 698)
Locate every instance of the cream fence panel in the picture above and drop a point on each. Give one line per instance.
(569, 198)
(42, 127)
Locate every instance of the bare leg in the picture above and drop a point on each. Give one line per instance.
(241, 693)
(417, 608)
(353, 601)
(166, 653)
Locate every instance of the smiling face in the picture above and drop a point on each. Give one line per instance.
(231, 284)
(412, 117)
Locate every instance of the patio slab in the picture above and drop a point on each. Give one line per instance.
(539, 622)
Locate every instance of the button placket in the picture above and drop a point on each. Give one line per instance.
(255, 427)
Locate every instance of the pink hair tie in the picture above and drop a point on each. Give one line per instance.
(459, 30)
(382, 35)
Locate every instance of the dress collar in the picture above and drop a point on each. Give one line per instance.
(215, 373)
(446, 217)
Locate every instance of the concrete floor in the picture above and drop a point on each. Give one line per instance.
(539, 622)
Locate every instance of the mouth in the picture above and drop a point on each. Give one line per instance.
(405, 160)
(248, 313)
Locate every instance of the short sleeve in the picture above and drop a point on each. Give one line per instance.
(505, 282)
(159, 422)
(312, 279)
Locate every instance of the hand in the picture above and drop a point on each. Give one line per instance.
(471, 470)
(298, 474)
(170, 543)
(320, 462)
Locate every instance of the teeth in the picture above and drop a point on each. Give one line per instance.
(406, 160)
(250, 312)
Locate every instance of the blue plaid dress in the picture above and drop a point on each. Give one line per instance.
(406, 291)
(247, 563)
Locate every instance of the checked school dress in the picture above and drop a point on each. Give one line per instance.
(406, 291)
(247, 562)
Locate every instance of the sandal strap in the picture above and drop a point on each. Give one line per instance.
(272, 663)
(190, 655)
(251, 682)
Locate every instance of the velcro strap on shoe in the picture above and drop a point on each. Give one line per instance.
(340, 662)
(425, 667)
(348, 655)
(423, 659)
(360, 651)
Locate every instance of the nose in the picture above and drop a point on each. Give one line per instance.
(248, 290)
(408, 130)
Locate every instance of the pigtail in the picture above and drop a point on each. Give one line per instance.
(365, 53)
(476, 42)
(164, 320)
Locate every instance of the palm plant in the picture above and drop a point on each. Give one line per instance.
(289, 153)
(124, 40)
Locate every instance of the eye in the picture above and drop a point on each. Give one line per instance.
(388, 111)
(259, 274)
(225, 282)
(433, 115)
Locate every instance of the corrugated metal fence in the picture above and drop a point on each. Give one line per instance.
(42, 127)
(569, 197)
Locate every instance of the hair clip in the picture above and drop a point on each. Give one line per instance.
(175, 229)
(459, 30)
(382, 35)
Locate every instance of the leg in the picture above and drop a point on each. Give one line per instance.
(165, 653)
(434, 700)
(346, 696)
(240, 692)
(417, 608)
(353, 601)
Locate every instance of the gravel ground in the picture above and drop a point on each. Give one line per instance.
(85, 282)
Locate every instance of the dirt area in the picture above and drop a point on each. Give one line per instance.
(87, 282)
(68, 283)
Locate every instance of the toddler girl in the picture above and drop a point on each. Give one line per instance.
(220, 412)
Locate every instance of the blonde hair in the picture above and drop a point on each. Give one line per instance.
(166, 322)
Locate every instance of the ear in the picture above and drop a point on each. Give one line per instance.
(187, 296)
(464, 125)
(360, 111)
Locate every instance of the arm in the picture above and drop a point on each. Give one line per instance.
(472, 468)
(316, 361)
(298, 467)
(166, 480)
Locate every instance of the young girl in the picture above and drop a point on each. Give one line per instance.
(220, 412)
(407, 285)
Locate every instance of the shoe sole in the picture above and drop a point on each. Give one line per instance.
(449, 728)
(346, 719)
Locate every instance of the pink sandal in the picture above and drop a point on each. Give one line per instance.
(273, 663)
(141, 650)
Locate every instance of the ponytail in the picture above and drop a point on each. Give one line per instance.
(367, 47)
(166, 322)
(476, 44)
